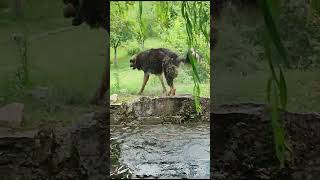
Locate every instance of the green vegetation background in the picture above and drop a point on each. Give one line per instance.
(127, 82)
(67, 60)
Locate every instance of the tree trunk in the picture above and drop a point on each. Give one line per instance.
(18, 8)
(115, 57)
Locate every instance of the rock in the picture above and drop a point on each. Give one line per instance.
(5, 130)
(157, 110)
(113, 98)
(11, 115)
(245, 130)
(40, 93)
(88, 135)
(81, 151)
(61, 153)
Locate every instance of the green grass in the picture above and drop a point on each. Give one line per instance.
(237, 49)
(38, 113)
(303, 88)
(61, 61)
(69, 63)
(130, 81)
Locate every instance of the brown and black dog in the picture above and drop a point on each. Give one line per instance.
(158, 61)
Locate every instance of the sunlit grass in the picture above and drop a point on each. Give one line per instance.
(68, 63)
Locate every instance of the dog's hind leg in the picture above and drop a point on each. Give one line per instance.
(162, 83)
(170, 73)
(145, 80)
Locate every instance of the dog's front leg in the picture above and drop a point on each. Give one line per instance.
(162, 83)
(145, 80)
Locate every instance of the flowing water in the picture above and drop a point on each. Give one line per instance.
(165, 151)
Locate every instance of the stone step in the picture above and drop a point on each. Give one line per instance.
(153, 120)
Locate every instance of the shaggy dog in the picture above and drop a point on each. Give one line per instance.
(158, 61)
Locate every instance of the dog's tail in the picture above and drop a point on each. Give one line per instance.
(187, 57)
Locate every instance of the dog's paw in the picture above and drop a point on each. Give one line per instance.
(173, 92)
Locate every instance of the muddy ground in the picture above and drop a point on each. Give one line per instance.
(242, 144)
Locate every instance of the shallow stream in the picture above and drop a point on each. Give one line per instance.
(165, 150)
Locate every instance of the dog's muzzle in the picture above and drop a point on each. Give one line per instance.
(132, 64)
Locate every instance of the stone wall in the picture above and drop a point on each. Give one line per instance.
(244, 144)
(241, 135)
(157, 110)
(75, 152)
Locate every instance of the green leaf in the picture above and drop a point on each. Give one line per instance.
(277, 129)
(191, 28)
(274, 6)
(193, 64)
(272, 69)
(140, 10)
(194, 10)
(269, 89)
(276, 88)
(283, 90)
(196, 92)
(272, 29)
(183, 9)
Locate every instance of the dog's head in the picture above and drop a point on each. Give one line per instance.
(92, 12)
(133, 62)
(72, 10)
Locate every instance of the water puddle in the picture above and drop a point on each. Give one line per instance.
(164, 151)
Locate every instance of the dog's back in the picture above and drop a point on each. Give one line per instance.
(151, 60)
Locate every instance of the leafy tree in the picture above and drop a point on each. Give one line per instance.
(197, 24)
(119, 28)
(141, 30)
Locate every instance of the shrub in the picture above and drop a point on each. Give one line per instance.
(133, 50)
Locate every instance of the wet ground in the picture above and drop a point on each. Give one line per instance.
(164, 151)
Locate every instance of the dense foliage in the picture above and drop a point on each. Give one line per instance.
(164, 21)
